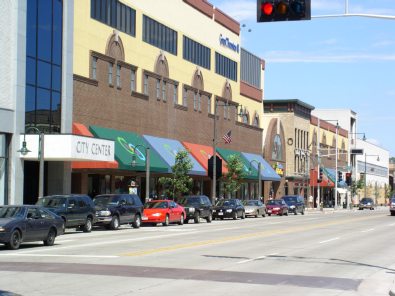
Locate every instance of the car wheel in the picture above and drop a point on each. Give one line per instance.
(50, 238)
(167, 221)
(88, 225)
(392, 213)
(296, 212)
(235, 215)
(209, 218)
(257, 214)
(196, 218)
(15, 240)
(303, 212)
(286, 213)
(186, 221)
(181, 220)
(269, 215)
(137, 221)
(114, 225)
(243, 215)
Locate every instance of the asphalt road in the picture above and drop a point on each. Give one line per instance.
(340, 253)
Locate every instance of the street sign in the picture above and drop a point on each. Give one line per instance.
(357, 151)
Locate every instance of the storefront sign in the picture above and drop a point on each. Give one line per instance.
(224, 41)
(70, 148)
(279, 169)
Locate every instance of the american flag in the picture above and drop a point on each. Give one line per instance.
(227, 137)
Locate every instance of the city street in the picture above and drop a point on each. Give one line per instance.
(334, 253)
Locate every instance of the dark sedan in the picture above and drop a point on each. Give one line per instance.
(19, 224)
(229, 208)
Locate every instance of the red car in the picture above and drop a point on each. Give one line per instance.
(276, 207)
(163, 211)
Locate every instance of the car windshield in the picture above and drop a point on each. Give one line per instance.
(366, 200)
(156, 205)
(251, 203)
(10, 212)
(226, 203)
(290, 199)
(52, 202)
(106, 200)
(274, 202)
(190, 201)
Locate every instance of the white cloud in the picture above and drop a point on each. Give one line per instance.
(332, 41)
(304, 57)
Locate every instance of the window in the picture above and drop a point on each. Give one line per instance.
(195, 103)
(256, 120)
(225, 67)
(185, 97)
(118, 76)
(209, 105)
(164, 85)
(110, 65)
(159, 35)
(199, 98)
(226, 111)
(277, 149)
(146, 84)
(94, 68)
(132, 80)
(157, 88)
(114, 14)
(196, 53)
(175, 94)
(250, 68)
(245, 117)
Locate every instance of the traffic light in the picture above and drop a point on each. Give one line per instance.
(218, 167)
(321, 175)
(339, 176)
(283, 10)
(348, 179)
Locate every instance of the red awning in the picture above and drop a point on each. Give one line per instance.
(202, 153)
(326, 182)
(82, 130)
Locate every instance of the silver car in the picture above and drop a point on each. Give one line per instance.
(254, 207)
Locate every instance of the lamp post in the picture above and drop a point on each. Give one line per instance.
(378, 159)
(214, 184)
(353, 161)
(259, 177)
(40, 155)
(147, 167)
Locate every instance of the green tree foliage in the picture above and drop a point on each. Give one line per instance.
(232, 180)
(180, 183)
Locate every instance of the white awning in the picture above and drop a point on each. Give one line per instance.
(68, 148)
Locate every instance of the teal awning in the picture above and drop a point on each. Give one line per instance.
(250, 171)
(267, 172)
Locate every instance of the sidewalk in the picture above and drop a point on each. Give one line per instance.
(333, 210)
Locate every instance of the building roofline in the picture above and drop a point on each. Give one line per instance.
(295, 101)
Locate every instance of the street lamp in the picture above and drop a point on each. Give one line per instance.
(147, 167)
(25, 151)
(378, 159)
(214, 185)
(259, 177)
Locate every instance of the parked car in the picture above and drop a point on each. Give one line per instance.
(229, 208)
(112, 210)
(392, 206)
(254, 207)
(77, 210)
(196, 207)
(19, 224)
(163, 211)
(295, 203)
(276, 207)
(366, 203)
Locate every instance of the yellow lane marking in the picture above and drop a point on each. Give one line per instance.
(266, 233)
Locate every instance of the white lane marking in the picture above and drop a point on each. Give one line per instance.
(272, 223)
(257, 258)
(367, 230)
(329, 240)
(58, 255)
(64, 241)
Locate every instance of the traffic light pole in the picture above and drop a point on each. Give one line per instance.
(319, 163)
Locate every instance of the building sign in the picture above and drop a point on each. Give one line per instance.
(278, 167)
(69, 148)
(224, 41)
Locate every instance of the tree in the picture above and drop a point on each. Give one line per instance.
(232, 180)
(180, 183)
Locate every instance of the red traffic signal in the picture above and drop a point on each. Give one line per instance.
(348, 179)
(283, 10)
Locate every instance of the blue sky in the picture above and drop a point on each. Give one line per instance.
(341, 62)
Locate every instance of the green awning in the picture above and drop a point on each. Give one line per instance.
(249, 170)
(127, 145)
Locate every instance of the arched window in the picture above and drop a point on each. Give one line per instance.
(256, 120)
(277, 149)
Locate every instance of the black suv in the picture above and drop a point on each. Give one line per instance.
(112, 210)
(196, 207)
(295, 203)
(77, 210)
